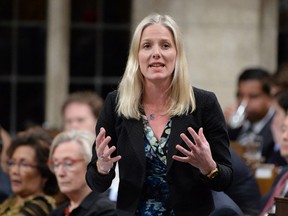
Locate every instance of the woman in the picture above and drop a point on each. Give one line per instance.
(31, 180)
(70, 153)
(154, 126)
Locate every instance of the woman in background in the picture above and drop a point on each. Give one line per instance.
(33, 184)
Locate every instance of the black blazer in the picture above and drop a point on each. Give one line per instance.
(190, 192)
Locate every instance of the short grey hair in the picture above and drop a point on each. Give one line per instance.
(84, 138)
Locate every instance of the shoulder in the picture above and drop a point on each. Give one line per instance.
(203, 95)
(206, 101)
(43, 204)
(98, 202)
(112, 95)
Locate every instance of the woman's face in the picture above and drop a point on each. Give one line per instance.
(69, 168)
(157, 53)
(24, 175)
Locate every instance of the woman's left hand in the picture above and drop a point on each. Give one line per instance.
(199, 155)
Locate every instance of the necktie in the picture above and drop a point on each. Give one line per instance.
(277, 191)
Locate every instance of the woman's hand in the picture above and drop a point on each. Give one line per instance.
(104, 162)
(199, 155)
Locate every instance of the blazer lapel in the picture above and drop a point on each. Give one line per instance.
(135, 135)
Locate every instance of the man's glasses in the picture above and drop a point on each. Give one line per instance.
(67, 164)
(22, 165)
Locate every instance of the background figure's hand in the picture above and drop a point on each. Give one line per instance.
(228, 112)
(199, 155)
(105, 161)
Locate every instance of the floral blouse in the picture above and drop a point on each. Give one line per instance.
(155, 196)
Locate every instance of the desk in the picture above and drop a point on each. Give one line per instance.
(264, 173)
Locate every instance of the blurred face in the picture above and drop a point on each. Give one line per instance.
(24, 176)
(157, 54)
(258, 102)
(277, 122)
(79, 116)
(284, 141)
(69, 168)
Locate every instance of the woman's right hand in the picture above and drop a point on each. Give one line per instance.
(105, 161)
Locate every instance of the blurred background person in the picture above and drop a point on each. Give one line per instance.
(70, 153)
(5, 187)
(279, 83)
(80, 111)
(32, 182)
(280, 185)
(253, 89)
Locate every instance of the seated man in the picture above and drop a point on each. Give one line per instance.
(253, 89)
(280, 186)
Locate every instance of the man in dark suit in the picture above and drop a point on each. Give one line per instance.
(254, 89)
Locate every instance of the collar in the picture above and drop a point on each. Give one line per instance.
(258, 126)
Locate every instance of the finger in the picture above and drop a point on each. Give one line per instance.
(102, 146)
(183, 151)
(202, 136)
(107, 153)
(115, 159)
(195, 136)
(188, 142)
(100, 137)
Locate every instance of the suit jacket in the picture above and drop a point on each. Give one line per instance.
(190, 192)
(225, 206)
(244, 190)
(268, 141)
(93, 204)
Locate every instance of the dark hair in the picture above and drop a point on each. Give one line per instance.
(259, 74)
(40, 142)
(90, 98)
(282, 100)
(280, 77)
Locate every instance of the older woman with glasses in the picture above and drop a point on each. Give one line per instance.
(31, 180)
(69, 155)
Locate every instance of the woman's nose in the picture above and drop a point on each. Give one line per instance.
(156, 52)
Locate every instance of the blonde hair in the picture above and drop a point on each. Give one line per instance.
(84, 138)
(181, 99)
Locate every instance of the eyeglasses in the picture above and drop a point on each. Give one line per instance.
(22, 165)
(67, 164)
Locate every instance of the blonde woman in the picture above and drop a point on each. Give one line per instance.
(169, 138)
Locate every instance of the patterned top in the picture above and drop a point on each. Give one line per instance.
(155, 196)
(34, 206)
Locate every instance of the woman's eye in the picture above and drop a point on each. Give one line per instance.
(165, 46)
(68, 163)
(146, 46)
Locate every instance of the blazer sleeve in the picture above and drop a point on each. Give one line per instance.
(95, 180)
(211, 118)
